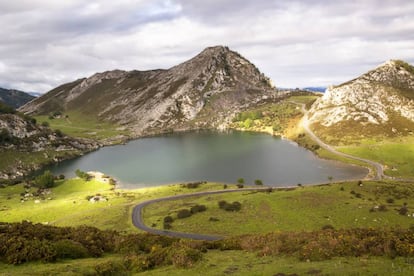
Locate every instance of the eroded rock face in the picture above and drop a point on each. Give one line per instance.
(202, 92)
(370, 99)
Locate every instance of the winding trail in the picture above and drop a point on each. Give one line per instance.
(138, 211)
(379, 169)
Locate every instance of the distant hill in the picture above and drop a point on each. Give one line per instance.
(14, 98)
(315, 88)
(203, 92)
(380, 102)
(35, 94)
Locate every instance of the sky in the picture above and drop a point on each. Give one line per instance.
(297, 43)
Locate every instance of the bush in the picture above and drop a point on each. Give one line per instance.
(168, 219)
(198, 208)
(58, 133)
(240, 180)
(184, 213)
(111, 268)
(82, 175)
(70, 249)
(240, 186)
(45, 124)
(185, 257)
(235, 206)
(46, 180)
(328, 227)
(390, 200)
(403, 211)
(258, 182)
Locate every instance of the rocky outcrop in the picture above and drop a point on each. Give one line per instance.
(203, 92)
(34, 146)
(381, 96)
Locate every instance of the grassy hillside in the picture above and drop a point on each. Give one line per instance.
(76, 124)
(344, 205)
(275, 118)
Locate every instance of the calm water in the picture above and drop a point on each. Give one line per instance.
(222, 157)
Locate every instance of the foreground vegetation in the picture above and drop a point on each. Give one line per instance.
(348, 227)
(26, 242)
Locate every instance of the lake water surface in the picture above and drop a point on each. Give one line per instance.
(210, 156)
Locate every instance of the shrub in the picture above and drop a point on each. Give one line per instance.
(185, 257)
(110, 268)
(70, 249)
(58, 133)
(328, 227)
(168, 219)
(45, 124)
(382, 208)
(258, 182)
(403, 211)
(240, 186)
(167, 225)
(184, 213)
(390, 200)
(61, 176)
(240, 180)
(198, 208)
(83, 175)
(46, 180)
(235, 206)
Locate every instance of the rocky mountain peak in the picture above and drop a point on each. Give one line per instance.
(217, 79)
(396, 73)
(382, 96)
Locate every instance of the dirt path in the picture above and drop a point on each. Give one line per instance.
(379, 169)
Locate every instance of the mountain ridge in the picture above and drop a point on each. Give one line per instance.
(14, 98)
(203, 92)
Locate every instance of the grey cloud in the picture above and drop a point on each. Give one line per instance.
(297, 43)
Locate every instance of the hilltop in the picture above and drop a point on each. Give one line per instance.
(14, 98)
(380, 102)
(203, 92)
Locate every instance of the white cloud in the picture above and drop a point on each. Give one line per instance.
(297, 43)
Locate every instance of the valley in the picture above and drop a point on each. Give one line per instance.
(262, 221)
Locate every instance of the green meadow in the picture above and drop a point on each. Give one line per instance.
(79, 125)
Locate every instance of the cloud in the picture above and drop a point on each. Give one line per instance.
(297, 43)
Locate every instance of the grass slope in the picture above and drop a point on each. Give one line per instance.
(231, 262)
(344, 205)
(397, 154)
(77, 124)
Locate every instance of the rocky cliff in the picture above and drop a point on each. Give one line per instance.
(380, 102)
(26, 146)
(204, 92)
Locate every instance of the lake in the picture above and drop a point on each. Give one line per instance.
(210, 156)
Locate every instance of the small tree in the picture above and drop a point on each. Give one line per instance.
(81, 174)
(240, 180)
(46, 180)
(258, 182)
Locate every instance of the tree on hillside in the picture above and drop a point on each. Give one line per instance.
(46, 180)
